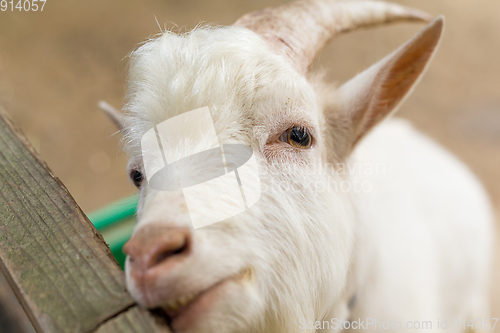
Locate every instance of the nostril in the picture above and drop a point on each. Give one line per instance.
(167, 251)
(152, 246)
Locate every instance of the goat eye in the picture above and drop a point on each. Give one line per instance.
(298, 137)
(136, 177)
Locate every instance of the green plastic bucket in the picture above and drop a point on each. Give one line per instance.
(116, 222)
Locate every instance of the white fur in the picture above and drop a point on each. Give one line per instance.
(415, 247)
(425, 232)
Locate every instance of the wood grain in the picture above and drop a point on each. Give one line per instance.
(60, 268)
(134, 320)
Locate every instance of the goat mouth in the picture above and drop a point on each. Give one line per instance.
(188, 307)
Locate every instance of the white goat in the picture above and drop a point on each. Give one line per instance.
(412, 244)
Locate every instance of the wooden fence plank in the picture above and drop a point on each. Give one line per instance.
(134, 320)
(13, 319)
(64, 274)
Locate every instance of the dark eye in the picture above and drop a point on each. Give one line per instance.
(298, 137)
(136, 177)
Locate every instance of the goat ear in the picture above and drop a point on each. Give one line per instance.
(116, 116)
(372, 95)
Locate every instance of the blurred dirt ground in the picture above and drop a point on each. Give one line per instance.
(57, 64)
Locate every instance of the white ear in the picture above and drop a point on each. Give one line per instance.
(374, 94)
(116, 116)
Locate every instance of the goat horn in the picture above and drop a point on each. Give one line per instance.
(299, 30)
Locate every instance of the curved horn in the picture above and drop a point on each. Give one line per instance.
(299, 30)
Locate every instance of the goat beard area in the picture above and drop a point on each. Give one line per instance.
(299, 253)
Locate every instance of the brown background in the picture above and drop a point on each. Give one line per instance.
(57, 64)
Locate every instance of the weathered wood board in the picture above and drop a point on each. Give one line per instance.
(54, 259)
(134, 320)
(13, 319)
